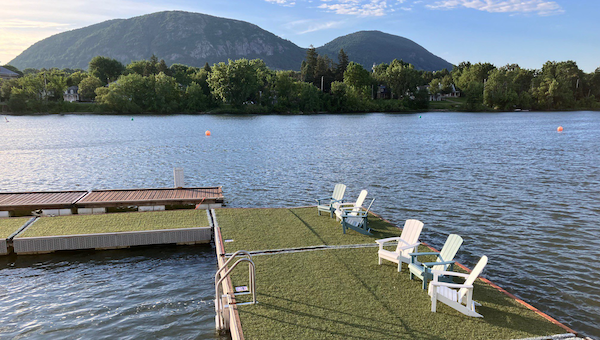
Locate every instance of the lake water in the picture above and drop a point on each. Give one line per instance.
(516, 190)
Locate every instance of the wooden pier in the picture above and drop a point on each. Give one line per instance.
(97, 201)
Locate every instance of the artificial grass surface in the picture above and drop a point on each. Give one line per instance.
(345, 294)
(117, 222)
(261, 229)
(10, 225)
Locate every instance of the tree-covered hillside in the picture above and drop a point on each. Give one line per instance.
(194, 39)
(177, 37)
(375, 47)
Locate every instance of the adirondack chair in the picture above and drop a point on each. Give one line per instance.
(407, 242)
(457, 296)
(444, 261)
(353, 206)
(326, 203)
(357, 220)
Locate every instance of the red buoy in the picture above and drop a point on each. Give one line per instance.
(207, 133)
(560, 128)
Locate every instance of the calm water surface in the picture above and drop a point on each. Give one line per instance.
(514, 188)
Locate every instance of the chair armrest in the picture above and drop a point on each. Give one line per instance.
(413, 256)
(360, 213)
(322, 199)
(409, 246)
(389, 239)
(451, 285)
(447, 273)
(419, 254)
(430, 264)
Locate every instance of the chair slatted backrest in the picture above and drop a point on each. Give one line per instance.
(359, 202)
(410, 234)
(474, 274)
(449, 250)
(338, 191)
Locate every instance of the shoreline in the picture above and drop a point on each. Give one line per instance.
(39, 114)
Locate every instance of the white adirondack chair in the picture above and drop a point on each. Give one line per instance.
(351, 208)
(407, 242)
(457, 296)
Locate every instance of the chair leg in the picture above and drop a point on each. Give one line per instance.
(379, 260)
(433, 300)
(399, 266)
(424, 281)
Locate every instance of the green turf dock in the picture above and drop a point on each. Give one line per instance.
(112, 231)
(9, 226)
(340, 292)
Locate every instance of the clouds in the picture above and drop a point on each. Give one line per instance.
(356, 7)
(288, 3)
(376, 8)
(540, 7)
(310, 25)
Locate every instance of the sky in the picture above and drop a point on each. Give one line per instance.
(525, 32)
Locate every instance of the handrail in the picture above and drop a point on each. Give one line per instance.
(251, 274)
(237, 253)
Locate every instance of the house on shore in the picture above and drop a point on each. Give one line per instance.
(71, 94)
(7, 74)
(436, 96)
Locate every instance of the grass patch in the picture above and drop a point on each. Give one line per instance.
(10, 225)
(345, 294)
(260, 229)
(451, 104)
(119, 222)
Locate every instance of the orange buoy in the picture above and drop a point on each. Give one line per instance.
(560, 128)
(207, 133)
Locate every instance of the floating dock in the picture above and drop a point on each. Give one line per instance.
(315, 282)
(12, 202)
(61, 203)
(46, 234)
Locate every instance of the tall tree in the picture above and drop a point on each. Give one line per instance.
(309, 65)
(401, 77)
(88, 86)
(235, 83)
(341, 66)
(105, 69)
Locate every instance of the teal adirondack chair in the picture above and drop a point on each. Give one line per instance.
(444, 261)
(357, 220)
(327, 203)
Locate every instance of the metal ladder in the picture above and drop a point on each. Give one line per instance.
(219, 307)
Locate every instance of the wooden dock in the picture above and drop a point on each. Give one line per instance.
(39, 200)
(150, 197)
(96, 201)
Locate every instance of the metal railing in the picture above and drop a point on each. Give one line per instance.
(251, 276)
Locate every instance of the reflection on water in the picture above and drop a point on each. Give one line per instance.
(513, 187)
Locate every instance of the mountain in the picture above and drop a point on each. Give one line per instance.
(368, 47)
(177, 37)
(195, 39)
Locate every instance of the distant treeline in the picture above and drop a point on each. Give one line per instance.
(322, 85)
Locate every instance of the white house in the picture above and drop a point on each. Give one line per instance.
(71, 94)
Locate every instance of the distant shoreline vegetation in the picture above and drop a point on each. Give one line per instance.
(322, 85)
